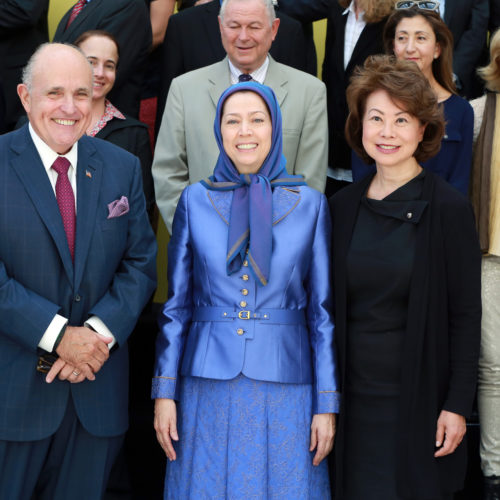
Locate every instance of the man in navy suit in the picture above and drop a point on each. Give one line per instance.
(77, 265)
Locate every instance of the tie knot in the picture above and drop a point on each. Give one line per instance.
(245, 77)
(61, 165)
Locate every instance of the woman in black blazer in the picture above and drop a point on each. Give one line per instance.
(408, 307)
(108, 123)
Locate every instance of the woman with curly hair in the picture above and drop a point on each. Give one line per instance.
(407, 298)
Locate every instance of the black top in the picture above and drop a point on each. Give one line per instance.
(379, 268)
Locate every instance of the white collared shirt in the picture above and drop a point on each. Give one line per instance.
(259, 75)
(48, 156)
(353, 29)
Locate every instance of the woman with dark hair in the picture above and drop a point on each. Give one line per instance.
(108, 123)
(407, 298)
(485, 195)
(415, 32)
(246, 336)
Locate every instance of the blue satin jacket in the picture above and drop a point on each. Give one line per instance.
(218, 326)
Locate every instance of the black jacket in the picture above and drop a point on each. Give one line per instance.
(128, 21)
(337, 78)
(441, 347)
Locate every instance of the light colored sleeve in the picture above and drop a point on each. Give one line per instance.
(97, 324)
(178, 310)
(320, 317)
(312, 152)
(53, 330)
(170, 168)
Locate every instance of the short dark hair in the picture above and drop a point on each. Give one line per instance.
(442, 67)
(104, 34)
(408, 88)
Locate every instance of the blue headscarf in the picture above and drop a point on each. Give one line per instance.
(250, 224)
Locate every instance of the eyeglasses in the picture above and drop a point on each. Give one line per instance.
(421, 4)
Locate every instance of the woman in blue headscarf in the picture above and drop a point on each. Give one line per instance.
(245, 377)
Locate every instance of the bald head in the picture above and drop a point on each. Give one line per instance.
(56, 93)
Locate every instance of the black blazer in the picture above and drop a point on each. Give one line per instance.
(132, 135)
(441, 346)
(23, 27)
(336, 77)
(128, 21)
(468, 21)
(193, 41)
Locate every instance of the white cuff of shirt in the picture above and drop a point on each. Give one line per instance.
(96, 323)
(54, 329)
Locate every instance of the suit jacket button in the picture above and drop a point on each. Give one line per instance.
(240, 331)
(245, 277)
(77, 298)
(245, 263)
(244, 291)
(243, 303)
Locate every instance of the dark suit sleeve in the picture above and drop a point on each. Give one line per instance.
(15, 14)
(290, 44)
(24, 315)
(132, 28)
(172, 64)
(463, 270)
(306, 11)
(143, 148)
(135, 278)
(469, 46)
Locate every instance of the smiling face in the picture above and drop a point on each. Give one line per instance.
(390, 134)
(246, 131)
(58, 104)
(102, 54)
(247, 33)
(415, 40)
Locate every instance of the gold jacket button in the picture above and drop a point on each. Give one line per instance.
(243, 303)
(240, 331)
(244, 291)
(245, 263)
(245, 277)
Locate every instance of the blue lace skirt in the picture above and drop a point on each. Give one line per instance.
(244, 439)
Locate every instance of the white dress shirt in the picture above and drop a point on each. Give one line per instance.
(48, 156)
(353, 29)
(259, 75)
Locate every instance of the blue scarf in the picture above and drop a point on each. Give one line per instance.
(250, 224)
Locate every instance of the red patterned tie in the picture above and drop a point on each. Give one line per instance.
(76, 10)
(66, 200)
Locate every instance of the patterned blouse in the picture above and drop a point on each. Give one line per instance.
(110, 112)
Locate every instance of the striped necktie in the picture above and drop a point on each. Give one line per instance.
(76, 10)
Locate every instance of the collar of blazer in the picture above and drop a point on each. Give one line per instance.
(220, 78)
(28, 166)
(285, 199)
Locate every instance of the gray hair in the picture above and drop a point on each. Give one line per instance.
(268, 4)
(27, 75)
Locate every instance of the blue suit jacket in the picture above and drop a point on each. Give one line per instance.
(264, 349)
(112, 277)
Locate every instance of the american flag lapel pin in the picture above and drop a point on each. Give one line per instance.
(88, 174)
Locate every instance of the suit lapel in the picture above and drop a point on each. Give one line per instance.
(220, 78)
(369, 37)
(85, 13)
(31, 172)
(88, 178)
(277, 80)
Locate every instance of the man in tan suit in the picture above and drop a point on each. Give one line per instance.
(186, 150)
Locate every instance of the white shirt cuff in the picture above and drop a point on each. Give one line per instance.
(97, 324)
(50, 336)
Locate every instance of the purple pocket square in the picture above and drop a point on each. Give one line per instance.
(118, 207)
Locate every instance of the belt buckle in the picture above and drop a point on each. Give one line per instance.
(244, 314)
